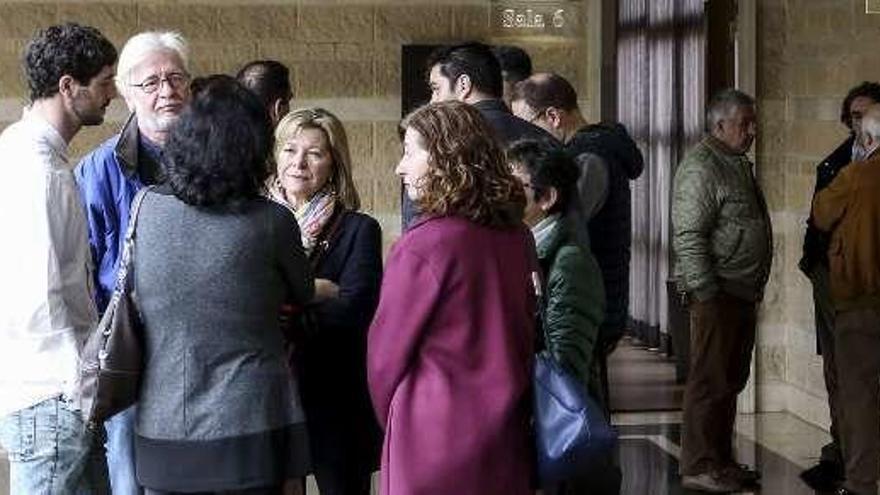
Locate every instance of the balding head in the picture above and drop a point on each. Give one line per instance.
(546, 89)
(270, 81)
(549, 101)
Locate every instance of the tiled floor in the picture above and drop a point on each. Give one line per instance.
(778, 444)
(642, 380)
(785, 445)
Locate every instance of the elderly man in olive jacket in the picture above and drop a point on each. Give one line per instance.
(723, 248)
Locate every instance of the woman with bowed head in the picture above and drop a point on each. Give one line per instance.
(450, 349)
(574, 295)
(344, 247)
(213, 262)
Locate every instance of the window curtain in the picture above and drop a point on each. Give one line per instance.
(661, 49)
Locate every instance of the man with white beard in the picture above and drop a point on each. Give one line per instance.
(153, 78)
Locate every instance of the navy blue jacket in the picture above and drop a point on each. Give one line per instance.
(507, 126)
(332, 358)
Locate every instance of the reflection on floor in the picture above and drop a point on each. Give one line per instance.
(642, 380)
(778, 444)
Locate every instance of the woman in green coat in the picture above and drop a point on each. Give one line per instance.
(574, 294)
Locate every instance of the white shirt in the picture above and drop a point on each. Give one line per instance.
(46, 300)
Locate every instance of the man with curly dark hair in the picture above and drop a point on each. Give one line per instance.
(47, 306)
(828, 472)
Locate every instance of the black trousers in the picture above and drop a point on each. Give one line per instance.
(274, 490)
(336, 480)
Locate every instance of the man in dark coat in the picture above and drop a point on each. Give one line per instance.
(814, 263)
(609, 159)
(849, 210)
(470, 73)
(516, 65)
(270, 81)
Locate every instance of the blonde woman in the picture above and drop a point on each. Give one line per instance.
(314, 179)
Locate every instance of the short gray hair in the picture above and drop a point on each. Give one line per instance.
(724, 103)
(139, 46)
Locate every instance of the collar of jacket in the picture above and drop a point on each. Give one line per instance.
(127, 147)
(723, 152)
(491, 105)
(559, 234)
(418, 221)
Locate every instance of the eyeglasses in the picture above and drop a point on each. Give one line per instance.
(175, 80)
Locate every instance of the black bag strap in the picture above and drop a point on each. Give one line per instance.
(128, 246)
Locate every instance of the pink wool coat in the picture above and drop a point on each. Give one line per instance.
(449, 360)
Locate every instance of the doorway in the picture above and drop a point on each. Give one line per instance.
(670, 54)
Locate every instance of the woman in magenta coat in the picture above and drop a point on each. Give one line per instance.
(450, 349)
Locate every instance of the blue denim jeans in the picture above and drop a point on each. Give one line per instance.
(120, 453)
(51, 451)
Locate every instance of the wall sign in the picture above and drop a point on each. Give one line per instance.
(544, 18)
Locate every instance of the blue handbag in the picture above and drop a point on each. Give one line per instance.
(571, 431)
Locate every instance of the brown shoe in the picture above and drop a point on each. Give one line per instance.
(712, 482)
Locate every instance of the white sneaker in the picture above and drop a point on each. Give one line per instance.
(711, 482)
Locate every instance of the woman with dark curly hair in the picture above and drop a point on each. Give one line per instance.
(450, 349)
(213, 262)
(314, 179)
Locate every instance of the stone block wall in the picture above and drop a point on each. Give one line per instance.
(810, 52)
(344, 56)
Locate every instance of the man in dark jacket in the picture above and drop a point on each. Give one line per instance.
(270, 81)
(516, 65)
(153, 78)
(470, 73)
(609, 160)
(849, 210)
(814, 263)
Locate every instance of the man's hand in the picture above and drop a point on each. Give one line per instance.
(325, 289)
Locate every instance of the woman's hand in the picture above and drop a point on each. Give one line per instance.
(325, 289)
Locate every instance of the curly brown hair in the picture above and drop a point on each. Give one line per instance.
(467, 172)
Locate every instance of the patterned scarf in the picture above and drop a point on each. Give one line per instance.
(312, 216)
